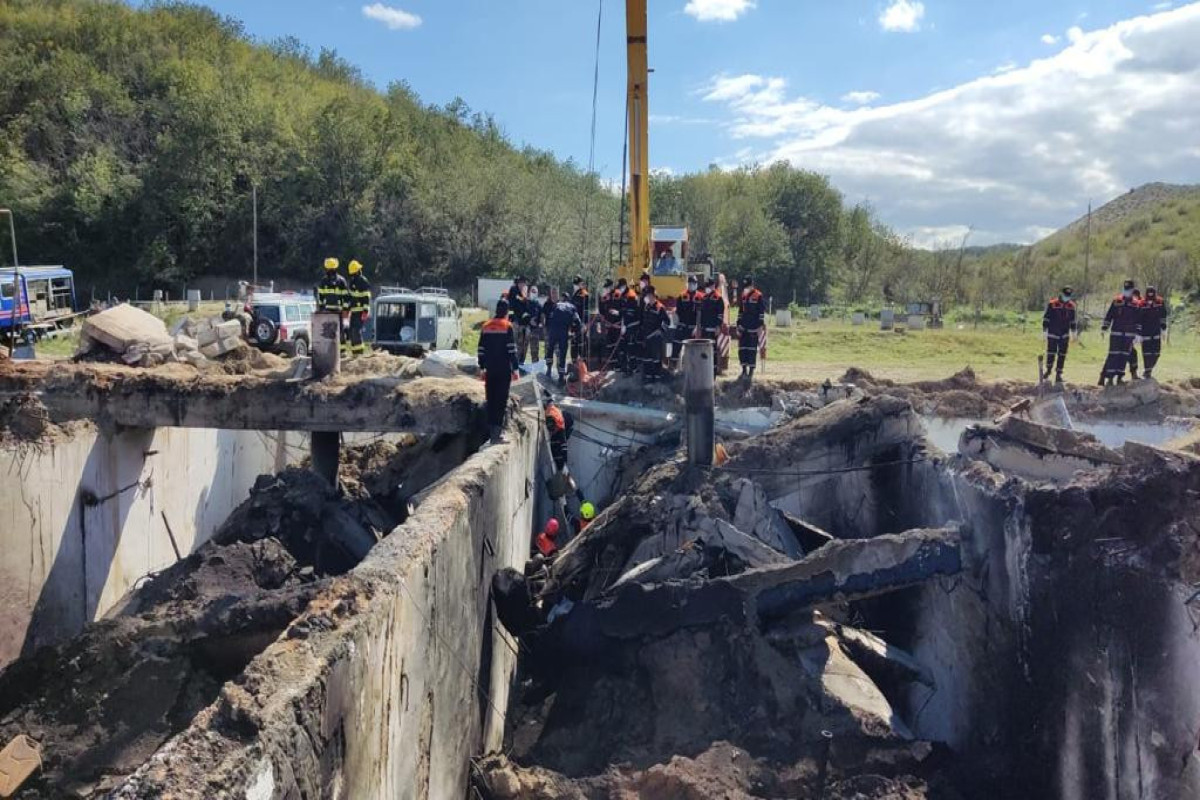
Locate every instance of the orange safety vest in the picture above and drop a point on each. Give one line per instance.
(554, 418)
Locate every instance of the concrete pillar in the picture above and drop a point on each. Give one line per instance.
(698, 377)
(326, 348)
(326, 360)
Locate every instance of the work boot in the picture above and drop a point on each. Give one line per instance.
(1058, 377)
(1147, 375)
(1103, 380)
(497, 435)
(1133, 374)
(1120, 380)
(749, 374)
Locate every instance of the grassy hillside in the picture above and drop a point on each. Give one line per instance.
(130, 139)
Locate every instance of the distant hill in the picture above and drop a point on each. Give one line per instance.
(1150, 234)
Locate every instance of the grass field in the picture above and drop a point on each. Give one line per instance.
(819, 350)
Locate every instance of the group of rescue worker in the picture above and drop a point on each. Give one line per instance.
(349, 298)
(1131, 320)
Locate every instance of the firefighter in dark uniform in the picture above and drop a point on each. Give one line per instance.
(581, 300)
(333, 296)
(712, 316)
(687, 307)
(628, 353)
(1058, 324)
(656, 323)
(359, 293)
(497, 355)
(604, 320)
(1133, 343)
(1153, 326)
(558, 427)
(1121, 323)
(519, 314)
(749, 327)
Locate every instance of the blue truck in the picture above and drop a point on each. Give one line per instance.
(43, 303)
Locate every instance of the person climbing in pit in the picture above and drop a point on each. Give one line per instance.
(1059, 327)
(497, 356)
(1121, 324)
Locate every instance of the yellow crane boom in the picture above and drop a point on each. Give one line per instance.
(637, 97)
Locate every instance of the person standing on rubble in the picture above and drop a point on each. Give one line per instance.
(359, 294)
(1153, 326)
(561, 322)
(582, 302)
(687, 307)
(752, 309)
(712, 316)
(612, 319)
(1122, 320)
(497, 356)
(1058, 325)
(518, 314)
(628, 352)
(537, 324)
(655, 323)
(601, 325)
(333, 296)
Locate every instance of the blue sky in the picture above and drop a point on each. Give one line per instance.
(1003, 117)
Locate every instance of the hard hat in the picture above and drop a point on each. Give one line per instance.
(552, 528)
(587, 511)
(331, 264)
(354, 268)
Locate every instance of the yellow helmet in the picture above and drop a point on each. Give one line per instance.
(587, 510)
(331, 264)
(354, 268)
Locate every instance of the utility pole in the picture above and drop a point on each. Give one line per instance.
(254, 196)
(16, 305)
(1087, 256)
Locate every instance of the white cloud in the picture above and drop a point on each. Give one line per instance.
(902, 16)
(718, 10)
(1050, 38)
(395, 18)
(1163, 6)
(1074, 34)
(1007, 66)
(1006, 153)
(860, 98)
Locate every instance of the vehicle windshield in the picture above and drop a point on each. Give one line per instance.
(267, 312)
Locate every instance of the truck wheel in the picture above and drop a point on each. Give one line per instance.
(300, 347)
(264, 332)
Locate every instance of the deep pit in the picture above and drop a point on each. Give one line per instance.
(848, 607)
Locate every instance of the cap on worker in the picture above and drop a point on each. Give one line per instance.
(587, 510)
(521, 279)
(354, 268)
(608, 283)
(579, 279)
(649, 290)
(1129, 284)
(1067, 290)
(1150, 290)
(331, 264)
(552, 528)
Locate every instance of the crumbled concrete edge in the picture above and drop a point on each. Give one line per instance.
(300, 718)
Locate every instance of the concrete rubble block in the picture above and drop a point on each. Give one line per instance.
(1036, 452)
(851, 703)
(120, 327)
(225, 331)
(719, 545)
(185, 343)
(808, 535)
(880, 659)
(221, 347)
(757, 517)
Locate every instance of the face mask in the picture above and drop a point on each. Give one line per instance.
(644, 284)
(533, 292)
(1127, 293)
(1066, 298)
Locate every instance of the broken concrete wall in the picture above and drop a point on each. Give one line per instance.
(83, 518)
(394, 676)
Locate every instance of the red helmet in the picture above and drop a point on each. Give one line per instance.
(552, 528)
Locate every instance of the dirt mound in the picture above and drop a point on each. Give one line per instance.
(380, 363)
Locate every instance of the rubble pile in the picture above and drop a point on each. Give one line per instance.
(127, 334)
(102, 703)
(697, 630)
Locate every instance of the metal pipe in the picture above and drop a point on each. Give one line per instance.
(698, 378)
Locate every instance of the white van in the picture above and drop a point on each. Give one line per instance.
(411, 321)
(282, 322)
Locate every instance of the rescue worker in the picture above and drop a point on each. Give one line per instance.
(582, 302)
(752, 310)
(1059, 327)
(712, 316)
(558, 428)
(628, 351)
(545, 540)
(518, 314)
(1137, 338)
(497, 355)
(1122, 321)
(1154, 327)
(612, 322)
(687, 307)
(561, 322)
(655, 322)
(333, 293)
(537, 324)
(598, 331)
(359, 293)
(587, 513)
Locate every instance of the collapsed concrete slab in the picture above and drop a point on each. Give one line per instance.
(184, 399)
(1036, 452)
